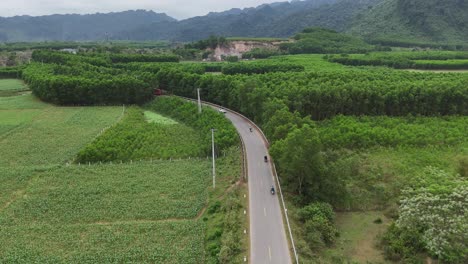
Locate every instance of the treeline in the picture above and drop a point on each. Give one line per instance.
(441, 64)
(410, 43)
(260, 68)
(11, 72)
(258, 53)
(46, 56)
(326, 94)
(60, 84)
(406, 60)
(365, 132)
(126, 58)
(212, 42)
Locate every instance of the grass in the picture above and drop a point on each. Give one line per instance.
(53, 135)
(11, 87)
(153, 117)
(12, 84)
(358, 237)
(26, 101)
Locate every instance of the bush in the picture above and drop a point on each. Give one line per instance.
(318, 219)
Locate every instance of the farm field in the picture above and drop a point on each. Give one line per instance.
(49, 135)
(54, 210)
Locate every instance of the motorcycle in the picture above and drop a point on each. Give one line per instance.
(265, 158)
(272, 190)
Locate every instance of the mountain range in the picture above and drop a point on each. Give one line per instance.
(437, 21)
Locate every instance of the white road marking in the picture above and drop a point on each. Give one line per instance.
(264, 210)
(269, 252)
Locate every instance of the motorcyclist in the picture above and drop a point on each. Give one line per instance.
(250, 128)
(272, 190)
(265, 158)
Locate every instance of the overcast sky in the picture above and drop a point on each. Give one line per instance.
(176, 8)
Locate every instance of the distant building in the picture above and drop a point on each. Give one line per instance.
(72, 51)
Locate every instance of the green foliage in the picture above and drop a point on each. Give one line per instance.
(406, 60)
(212, 42)
(135, 138)
(319, 40)
(259, 53)
(232, 59)
(318, 220)
(432, 218)
(411, 23)
(126, 58)
(260, 68)
(187, 113)
(84, 85)
(365, 132)
(11, 72)
(45, 56)
(300, 163)
(327, 93)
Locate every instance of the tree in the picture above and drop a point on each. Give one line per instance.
(299, 161)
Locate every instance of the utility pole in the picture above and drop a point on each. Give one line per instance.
(213, 151)
(199, 101)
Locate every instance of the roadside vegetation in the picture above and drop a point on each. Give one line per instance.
(350, 143)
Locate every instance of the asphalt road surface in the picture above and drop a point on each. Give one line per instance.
(268, 243)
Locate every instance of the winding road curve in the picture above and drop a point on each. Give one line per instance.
(268, 242)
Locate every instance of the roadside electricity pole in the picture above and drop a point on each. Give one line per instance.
(213, 151)
(199, 101)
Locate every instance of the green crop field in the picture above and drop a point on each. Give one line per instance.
(52, 135)
(152, 242)
(112, 193)
(109, 211)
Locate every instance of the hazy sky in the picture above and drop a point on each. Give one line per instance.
(175, 8)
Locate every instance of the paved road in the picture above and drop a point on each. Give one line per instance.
(268, 243)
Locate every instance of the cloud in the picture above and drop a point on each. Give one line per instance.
(176, 8)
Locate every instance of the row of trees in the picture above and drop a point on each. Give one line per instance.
(260, 68)
(405, 60)
(11, 72)
(86, 89)
(326, 94)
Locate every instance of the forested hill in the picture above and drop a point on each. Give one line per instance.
(282, 19)
(75, 27)
(415, 21)
(388, 21)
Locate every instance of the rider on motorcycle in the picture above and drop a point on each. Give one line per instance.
(272, 190)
